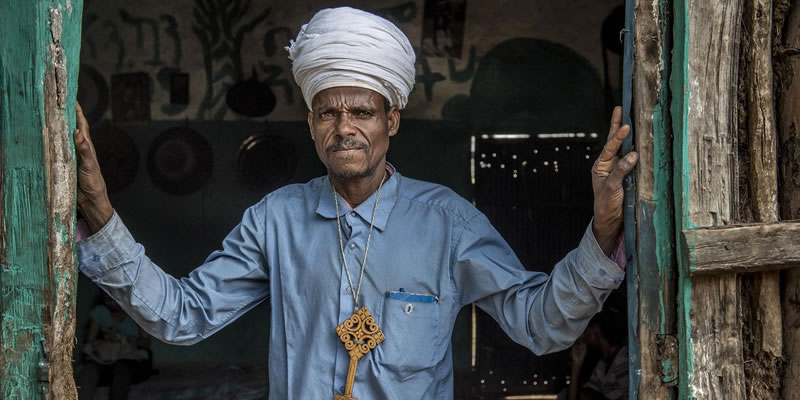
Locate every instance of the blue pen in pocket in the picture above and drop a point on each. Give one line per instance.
(412, 297)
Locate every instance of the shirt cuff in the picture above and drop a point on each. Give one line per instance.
(82, 230)
(593, 265)
(618, 254)
(106, 249)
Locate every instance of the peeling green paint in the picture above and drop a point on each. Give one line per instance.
(22, 68)
(669, 366)
(663, 218)
(679, 82)
(62, 229)
(26, 37)
(651, 275)
(629, 213)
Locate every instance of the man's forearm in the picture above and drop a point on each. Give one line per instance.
(606, 234)
(97, 213)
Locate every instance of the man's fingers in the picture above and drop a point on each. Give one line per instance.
(83, 142)
(614, 143)
(82, 124)
(616, 122)
(623, 168)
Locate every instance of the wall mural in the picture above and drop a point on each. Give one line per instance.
(400, 14)
(221, 27)
(463, 75)
(526, 83)
(443, 28)
(428, 78)
(228, 56)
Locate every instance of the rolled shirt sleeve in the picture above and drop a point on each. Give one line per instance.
(544, 313)
(232, 280)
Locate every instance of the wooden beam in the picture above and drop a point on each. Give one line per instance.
(788, 82)
(742, 248)
(60, 91)
(766, 324)
(39, 61)
(761, 129)
(704, 111)
(651, 274)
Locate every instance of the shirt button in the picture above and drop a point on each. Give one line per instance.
(352, 245)
(341, 389)
(349, 291)
(353, 213)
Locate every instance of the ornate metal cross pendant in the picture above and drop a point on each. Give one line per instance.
(360, 334)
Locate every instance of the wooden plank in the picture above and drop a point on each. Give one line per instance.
(761, 128)
(628, 211)
(24, 259)
(742, 248)
(652, 271)
(788, 82)
(60, 90)
(763, 180)
(704, 80)
(39, 62)
(628, 208)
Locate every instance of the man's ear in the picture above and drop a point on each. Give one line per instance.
(311, 124)
(393, 118)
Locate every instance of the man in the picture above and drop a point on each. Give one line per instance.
(413, 253)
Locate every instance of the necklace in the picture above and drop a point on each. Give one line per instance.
(356, 290)
(359, 333)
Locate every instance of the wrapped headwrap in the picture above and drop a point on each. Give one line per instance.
(348, 47)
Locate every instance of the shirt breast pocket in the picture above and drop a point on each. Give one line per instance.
(411, 327)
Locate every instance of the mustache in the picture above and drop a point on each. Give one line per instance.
(346, 144)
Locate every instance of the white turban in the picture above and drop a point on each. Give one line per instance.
(348, 47)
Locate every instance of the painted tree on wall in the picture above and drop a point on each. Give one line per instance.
(220, 27)
(39, 62)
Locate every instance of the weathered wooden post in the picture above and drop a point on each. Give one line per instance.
(704, 110)
(650, 217)
(39, 60)
(758, 191)
(788, 122)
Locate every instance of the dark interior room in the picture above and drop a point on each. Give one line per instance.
(196, 116)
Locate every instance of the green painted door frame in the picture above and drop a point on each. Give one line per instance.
(649, 210)
(39, 60)
(685, 329)
(703, 82)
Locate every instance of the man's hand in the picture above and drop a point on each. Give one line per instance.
(607, 174)
(92, 196)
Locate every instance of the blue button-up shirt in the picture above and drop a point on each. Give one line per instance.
(427, 241)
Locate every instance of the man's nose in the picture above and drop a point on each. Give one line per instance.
(344, 125)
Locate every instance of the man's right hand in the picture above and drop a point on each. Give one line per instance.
(92, 195)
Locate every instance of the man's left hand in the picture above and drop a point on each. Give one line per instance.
(608, 172)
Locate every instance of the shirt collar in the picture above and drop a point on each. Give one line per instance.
(327, 209)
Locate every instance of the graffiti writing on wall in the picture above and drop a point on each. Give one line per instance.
(230, 50)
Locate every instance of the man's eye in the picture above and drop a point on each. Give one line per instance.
(326, 115)
(363, 114)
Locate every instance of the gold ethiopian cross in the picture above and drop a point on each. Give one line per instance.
(360, 334)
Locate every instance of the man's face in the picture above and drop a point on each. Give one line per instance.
(351, 128)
